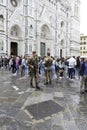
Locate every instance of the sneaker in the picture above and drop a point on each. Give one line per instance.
(60, 77)
(50, 82)
(72, 79)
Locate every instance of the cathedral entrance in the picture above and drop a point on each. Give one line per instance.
(14, 48)
(42, 49)
(16, 35)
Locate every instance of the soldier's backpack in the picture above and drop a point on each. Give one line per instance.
(48, 62)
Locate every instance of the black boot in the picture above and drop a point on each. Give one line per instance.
(37, 87)
(50, 82)
(46, 83)
(86, 90)
(31, 85)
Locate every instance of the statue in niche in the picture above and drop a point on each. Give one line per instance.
(1, 19)
(43, 33)
(1, 45)
(31, 30)
(14, 31)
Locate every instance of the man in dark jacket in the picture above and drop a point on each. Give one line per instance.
(83, 75)
(81, 72)
(33, 67)
(77, 67)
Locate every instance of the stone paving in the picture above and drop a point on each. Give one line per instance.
(16, 95)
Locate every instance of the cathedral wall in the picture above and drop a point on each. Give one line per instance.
(39, 25)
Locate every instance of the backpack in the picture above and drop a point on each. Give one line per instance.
(48, 62)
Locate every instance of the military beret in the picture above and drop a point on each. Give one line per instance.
(33, 52)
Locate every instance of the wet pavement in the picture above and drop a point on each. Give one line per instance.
(59, 106)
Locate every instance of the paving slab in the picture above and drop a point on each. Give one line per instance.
(44, 109)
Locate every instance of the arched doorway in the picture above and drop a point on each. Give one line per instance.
(45, 37)
(14, 48)
(16, 34)
(62, 48)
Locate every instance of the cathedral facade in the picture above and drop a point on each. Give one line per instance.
(40, 25)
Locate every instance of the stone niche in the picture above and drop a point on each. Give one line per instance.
(1, 45)
(1, 22)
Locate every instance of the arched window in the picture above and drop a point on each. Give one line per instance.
(1, 18)
(14, 3)
(62, 24)
(76, 9)
(31, 27)
(62, 42)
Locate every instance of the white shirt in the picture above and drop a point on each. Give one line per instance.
(23, 62)
(72, 62)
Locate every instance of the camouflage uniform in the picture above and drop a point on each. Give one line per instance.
(33, 70)
(47, 64)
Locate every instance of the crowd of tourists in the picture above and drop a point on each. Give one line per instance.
(48, 66)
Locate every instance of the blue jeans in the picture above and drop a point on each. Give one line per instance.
(23, 70)
(17, 68)
(71, 72)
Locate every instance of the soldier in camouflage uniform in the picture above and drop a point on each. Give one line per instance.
(47, 64)
(33, 67)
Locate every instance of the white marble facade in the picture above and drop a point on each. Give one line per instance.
(41, 26)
